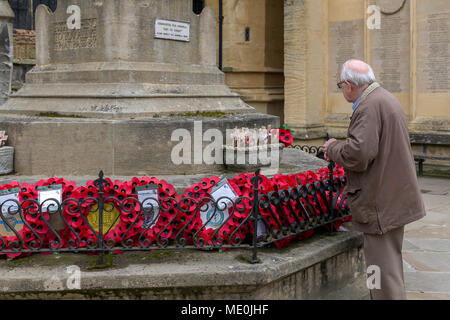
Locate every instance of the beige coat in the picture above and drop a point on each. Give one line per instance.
(382, 186)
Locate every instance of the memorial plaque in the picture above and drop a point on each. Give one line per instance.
(390, 53)
(346, 41)
(433, 52)
(71, 39)
(172, 30)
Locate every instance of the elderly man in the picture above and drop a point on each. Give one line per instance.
(382, 188)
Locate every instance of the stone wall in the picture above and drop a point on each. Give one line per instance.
(253, 52)
(408, 50)
(24, 56)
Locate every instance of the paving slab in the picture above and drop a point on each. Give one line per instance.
(436, 245)
(426, 247)
(427, 281)
(428, 261)
(427, 296)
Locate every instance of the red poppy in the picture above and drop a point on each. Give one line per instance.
(285, 137)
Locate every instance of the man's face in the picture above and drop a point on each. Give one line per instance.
(347, 91)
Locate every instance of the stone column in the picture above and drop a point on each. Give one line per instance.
(305, 67)
(207, 36)
(6, 49)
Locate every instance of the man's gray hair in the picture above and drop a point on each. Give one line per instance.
(357, 78)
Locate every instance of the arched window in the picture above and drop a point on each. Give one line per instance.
(198, 6)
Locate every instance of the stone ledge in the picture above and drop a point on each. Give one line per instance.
(193, 274)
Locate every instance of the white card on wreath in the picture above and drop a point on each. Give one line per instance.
(7, 201)
(223, 189)
(148, 196)
(217, 216)
(50, 193)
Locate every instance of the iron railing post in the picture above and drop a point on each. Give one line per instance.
(331, 185)
(255, 216)
(99, 183)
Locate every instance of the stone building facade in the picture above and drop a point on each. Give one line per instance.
(288, 65)
(283, 57)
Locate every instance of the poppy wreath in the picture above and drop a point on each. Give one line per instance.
(121, 220)
(162, 228)
(271, 216)
(28, 236)
(308, 179)
(291, 209)
(338, 173)
(78, 234)
(196, 199)
(52, 239)
(36, 232)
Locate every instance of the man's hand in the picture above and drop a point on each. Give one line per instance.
(325, 147)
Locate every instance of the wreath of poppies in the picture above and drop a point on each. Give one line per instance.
(36, 232)
(323, 174)
(121, 215)
(273, 220)
(128, 228)
(293, 211)
(163, 220)
(13, 242)
(197, 199)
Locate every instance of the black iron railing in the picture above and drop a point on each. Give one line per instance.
(314, 150)
(95, 222)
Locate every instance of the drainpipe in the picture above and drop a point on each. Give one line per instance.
(220, 34)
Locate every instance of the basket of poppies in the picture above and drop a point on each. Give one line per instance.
(214, 214)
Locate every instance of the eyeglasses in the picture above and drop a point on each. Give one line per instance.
(339, 85)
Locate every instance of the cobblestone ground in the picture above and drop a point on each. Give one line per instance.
(426, 247)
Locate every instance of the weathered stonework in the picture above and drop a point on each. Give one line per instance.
(6, 50)
(114, 66)
(305, 67)
(323, 267)
(253, 52)
(108, 93)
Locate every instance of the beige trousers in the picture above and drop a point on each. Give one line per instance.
(384, 254)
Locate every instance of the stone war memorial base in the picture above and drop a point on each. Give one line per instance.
(326, 266)
(72, 146)
(109, 89)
